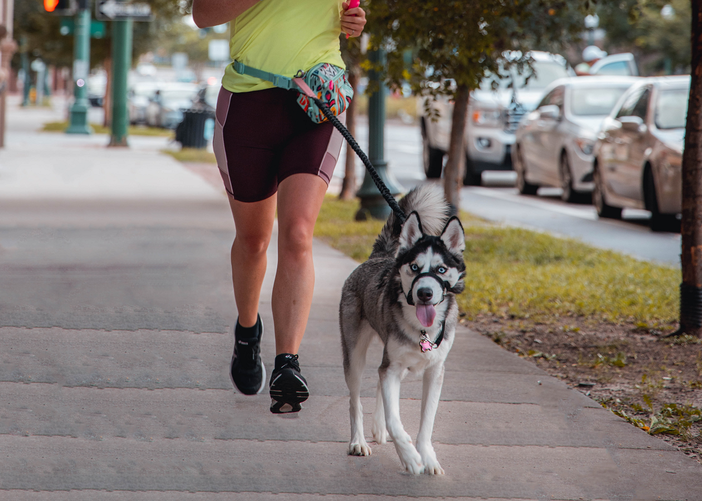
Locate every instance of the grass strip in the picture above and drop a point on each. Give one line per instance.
(517, 273)
(192, 155)
(132, 130)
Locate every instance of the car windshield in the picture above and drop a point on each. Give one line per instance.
(671, 109)
(544, 72)
(594, 101)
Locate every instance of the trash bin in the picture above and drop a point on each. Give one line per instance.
(196, 129)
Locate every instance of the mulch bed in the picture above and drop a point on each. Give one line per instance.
(653, 382)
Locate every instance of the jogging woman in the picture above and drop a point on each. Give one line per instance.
(273, 157)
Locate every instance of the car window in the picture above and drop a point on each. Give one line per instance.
(557, 96)
(641, 106)
(627, 108)
(546, 100)
(594, 101)
(620, 68)
(671, 109)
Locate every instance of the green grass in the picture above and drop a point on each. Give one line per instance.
(133, 130)
(518, 273)
(193, 155)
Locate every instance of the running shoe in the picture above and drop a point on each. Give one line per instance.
(287, 387)
(247, 371)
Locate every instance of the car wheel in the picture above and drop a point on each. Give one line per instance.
(524, 186)
(659, 222)
(598, 199)
(470, 176)
(568, 194)
(433, 158)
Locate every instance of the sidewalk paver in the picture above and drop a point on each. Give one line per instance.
(115, 304)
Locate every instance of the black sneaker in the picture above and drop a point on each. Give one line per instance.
(288, 388)
(247, 372)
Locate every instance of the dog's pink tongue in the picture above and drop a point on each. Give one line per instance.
(426, 314)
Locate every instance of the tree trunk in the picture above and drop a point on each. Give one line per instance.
(453, 172)
(348, 187)
(691, 256)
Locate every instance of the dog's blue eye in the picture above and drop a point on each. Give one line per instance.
(441, 270)
(414, 267)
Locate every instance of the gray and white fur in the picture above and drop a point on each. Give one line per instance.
(404, 290)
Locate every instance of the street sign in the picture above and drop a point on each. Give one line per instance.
(112, 10)
(97, 28)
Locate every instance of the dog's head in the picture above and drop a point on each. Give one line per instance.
(430, 266)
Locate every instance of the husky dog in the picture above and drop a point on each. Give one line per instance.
(404, 294)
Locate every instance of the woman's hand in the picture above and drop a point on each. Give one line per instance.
(352, 20)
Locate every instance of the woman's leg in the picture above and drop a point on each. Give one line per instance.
(300, 197)
(254, 224)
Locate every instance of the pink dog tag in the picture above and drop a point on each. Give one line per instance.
(425, 344)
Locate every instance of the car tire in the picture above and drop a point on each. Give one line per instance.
(433, 158)
(470, 176)
(604, 210)
(524, 186)
(659, 222)
(565, 174)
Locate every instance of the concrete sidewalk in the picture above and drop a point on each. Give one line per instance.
(115, 302)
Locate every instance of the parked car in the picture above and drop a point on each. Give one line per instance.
(139, 96)
(97, 85)
(554, 143)
(493, 115)
(638, 153)
(616, 64)
(165, 108)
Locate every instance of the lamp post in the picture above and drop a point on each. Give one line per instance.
(372, 202)
(121, 62)
(81, 68)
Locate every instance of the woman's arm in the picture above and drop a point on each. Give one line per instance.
(208, 13)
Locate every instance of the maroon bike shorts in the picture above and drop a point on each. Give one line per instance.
(262, 137)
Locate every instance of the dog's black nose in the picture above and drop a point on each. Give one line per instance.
(425, 294)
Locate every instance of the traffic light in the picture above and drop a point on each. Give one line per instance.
(60, 7)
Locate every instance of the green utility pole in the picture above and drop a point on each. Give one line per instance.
(81, 68)
(121, 62)
(372, 202)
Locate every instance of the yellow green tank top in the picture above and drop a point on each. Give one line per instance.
(283, 36)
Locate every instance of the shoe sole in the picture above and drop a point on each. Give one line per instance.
(263, 368)
(287, 394)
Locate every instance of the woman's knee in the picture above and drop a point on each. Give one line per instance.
(251, 244)
(296, 238)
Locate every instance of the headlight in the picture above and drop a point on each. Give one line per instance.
(587, 146)
(487, 118)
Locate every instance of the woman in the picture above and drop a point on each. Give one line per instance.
(273, 157)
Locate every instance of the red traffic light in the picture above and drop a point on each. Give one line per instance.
(61, 7)
(50, 5)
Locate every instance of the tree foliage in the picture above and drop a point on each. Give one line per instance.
(43, 39)
(454, 44)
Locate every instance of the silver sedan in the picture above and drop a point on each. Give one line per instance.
(639, 152)
(555, 142)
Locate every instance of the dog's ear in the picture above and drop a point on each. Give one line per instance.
(411, 232)
(453, 236)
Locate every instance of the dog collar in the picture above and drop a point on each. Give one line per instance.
(425, 344)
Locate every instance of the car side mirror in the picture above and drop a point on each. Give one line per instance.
(632, 124)
(550, 112)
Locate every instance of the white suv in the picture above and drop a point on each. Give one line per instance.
(493, 116)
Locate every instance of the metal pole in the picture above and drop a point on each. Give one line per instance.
(81, 68)
(121, 62)
(25, 68)
(372, 202)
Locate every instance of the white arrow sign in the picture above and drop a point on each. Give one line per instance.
(111, 10)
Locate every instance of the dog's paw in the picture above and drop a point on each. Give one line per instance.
(359, 449)
(380, 433)
(411, 459)
(432, 467)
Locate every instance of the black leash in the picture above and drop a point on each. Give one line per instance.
(384, 191)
